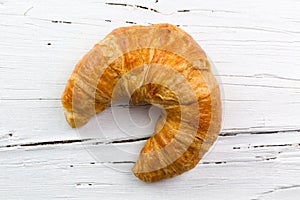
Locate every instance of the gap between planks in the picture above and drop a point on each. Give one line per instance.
(94, 141)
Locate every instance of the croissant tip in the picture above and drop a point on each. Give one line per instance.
(69, 119)
(74, 120)
(135, 170)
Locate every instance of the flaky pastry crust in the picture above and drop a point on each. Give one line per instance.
(161, 65)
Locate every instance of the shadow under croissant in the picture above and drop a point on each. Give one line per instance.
(161, 65)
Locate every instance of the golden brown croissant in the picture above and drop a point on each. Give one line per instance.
(161, 65)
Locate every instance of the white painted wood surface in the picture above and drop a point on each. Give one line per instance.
(255, 46)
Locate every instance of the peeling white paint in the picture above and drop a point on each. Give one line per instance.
(254, 46)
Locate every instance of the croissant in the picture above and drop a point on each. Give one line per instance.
(161, 65)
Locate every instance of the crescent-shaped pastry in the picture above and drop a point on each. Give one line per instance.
(163, 66)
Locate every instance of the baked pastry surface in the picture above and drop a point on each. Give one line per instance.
(161, 65)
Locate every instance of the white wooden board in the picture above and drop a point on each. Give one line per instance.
(255, 47)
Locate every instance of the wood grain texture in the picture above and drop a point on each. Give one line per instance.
(255, 47)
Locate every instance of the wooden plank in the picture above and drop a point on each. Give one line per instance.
(254, 46)
(43, 120)
(253, 56)
(265, 164)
